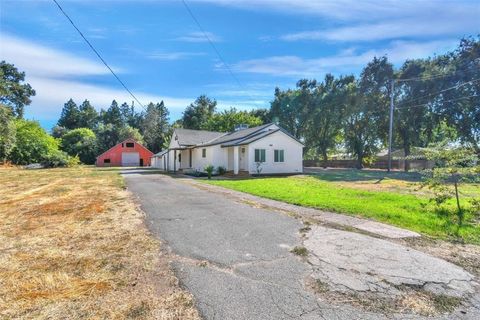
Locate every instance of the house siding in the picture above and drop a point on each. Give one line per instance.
(293, 158)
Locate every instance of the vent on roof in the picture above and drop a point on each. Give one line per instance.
(241, 126)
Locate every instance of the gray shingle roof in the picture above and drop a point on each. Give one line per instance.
(199, 138)
(161, 153)
(251, 138)
(188, 137)
(237, 136)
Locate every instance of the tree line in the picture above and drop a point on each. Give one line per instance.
(436, 99)
(82, 132)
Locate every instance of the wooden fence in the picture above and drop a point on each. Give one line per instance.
(378, 164)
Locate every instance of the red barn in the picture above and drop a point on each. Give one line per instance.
(128, 153)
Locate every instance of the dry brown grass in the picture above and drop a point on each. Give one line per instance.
(73, 245)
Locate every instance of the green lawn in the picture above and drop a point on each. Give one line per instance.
(392, 199)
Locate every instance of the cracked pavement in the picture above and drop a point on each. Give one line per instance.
(235, 258)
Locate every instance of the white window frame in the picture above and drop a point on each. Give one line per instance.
(276, 155)
(204, 152)
(260, 155)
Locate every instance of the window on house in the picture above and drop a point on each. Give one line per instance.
(129, 144)
(122, 145)
(106, 160)
(259, 155)
(179, 157)
(278, 156)
(243, 150)
(204, 153)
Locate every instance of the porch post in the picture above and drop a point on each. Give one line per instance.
(174, 160)
(235, 160)
(190, 158)
(167, 167)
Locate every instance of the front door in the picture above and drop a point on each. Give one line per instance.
(243, 158)
(141, 162)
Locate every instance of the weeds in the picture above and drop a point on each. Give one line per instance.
(300, 251)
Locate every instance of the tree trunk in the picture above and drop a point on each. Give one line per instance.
(459, 208)
(359, 161)
(406, 162)
(325, 158)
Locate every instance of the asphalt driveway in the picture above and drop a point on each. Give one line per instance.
(236, 259)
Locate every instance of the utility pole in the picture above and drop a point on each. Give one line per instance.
(390, 128)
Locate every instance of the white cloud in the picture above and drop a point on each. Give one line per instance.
(199, 37)
(173, 55)
(53, 93)
(346, 61)
(366, 20)
(54, 76)
(353, 10)
(399, 28)
(39, 60)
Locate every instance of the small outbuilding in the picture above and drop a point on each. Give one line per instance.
(128, 153)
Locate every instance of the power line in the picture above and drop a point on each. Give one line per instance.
(425, 104)
(441, 91)
(392, 93)
(205, 34)
(98, 54)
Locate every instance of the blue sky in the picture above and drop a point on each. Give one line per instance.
(158, 51)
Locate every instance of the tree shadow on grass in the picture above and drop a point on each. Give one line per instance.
(351, 175)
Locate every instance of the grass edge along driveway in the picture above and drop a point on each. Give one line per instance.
(403, 210)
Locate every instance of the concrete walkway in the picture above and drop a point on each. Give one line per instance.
(235, 258)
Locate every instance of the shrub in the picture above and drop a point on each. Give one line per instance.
(33, 144)
(60, 159)
(209, 170)
(81, 142)
(221, 170)
(258, 167)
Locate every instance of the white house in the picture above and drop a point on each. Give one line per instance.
(267, 149)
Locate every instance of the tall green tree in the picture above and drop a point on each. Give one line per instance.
(33, 143)
(461, 107)
(226, 120)
(155, 126)
(7, 132)
(263, 114)
(108, 135)
(80, 142)
(70, 116)
(366, 123)
(286, 111)
(413, 122)
(197, 114)
(58, 131)
(128, 132)
(113, 115)
(130, 116)
(14, 92)
(88, 117)
(324, 125)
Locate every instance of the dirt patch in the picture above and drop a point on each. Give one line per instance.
(411, 301)
(74, 246)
